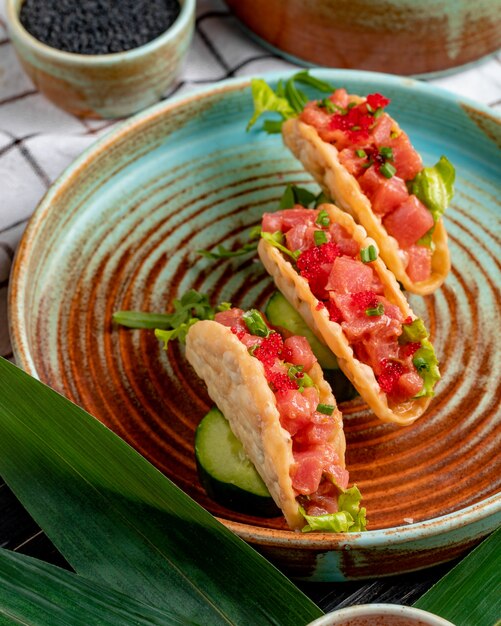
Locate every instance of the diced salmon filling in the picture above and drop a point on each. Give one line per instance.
(316, 473)
(353, 295)
(381, 157)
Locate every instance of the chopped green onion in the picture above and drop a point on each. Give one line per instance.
(296, 254)
(295, 373)
(394, 134)
(368, 164)
(255, 323)
(378, 112)
(421, 364)
(368, 254)
(328, 105)
(373, 312)
(326, 409)
(320, 237)
(361, 153)
(323, 219)
(387, 170)
(356, 127)
(225, 253)
(386, 152)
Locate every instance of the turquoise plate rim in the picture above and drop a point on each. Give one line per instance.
(473, 514)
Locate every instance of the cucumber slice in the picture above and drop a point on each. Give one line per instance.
(226, 473)
(280, 313)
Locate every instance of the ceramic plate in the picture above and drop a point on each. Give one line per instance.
(120, 230)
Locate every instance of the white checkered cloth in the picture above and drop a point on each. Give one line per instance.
(38, 140)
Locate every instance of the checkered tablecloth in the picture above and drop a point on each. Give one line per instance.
(38, 140)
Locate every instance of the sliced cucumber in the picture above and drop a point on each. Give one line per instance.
(226, 473)
(281, 313)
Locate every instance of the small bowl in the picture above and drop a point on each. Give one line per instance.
(396, 36)
(103, 85)
(380, 615)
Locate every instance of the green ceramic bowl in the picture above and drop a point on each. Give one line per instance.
(104, 85)
(120, 230)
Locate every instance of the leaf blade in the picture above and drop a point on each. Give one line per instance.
(469, 593)
(35, 592)
(93, 495)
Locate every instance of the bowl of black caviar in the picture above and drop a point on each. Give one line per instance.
(101, 58)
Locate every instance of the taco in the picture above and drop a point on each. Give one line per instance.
(330, 271)
(272, 391)
(365, 162)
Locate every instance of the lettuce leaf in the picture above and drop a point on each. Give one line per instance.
(265, 99)
(426, 363)
(350, 517)
(413, 332)
(434, 186)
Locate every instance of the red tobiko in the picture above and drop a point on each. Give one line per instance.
(280, 381)
(376, 100)
(364, 300)
(334, 312)
(269, 349)
(315, 265)
(356, 122)
(390, 373)
(410, 348)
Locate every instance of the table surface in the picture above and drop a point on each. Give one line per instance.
(37, 141)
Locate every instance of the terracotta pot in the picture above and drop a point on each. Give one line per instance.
(395, 36)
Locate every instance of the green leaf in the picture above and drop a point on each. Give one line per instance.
(119, 522)
(413, 332)
(141, 319)
(225, 253)
(306, 78)
(426, 363)
(434, 186)
(469, 594)
(296, 195)
(275, 239)
(33, 592)
(350, 517)
(266, 100)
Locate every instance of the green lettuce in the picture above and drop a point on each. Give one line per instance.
(426, 363)
(265, 99)
(413, 332)
(434, 186)
(349, 518)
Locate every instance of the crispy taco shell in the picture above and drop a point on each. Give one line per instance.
(236, 382)
(321, 160)
(297, 291)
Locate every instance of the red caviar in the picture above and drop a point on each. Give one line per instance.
(364, 300)
(410, 348)
(376, 100)
(280, 381)
(334, 313)
(391, 372)
(269, 349)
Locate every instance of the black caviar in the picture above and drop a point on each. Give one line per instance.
(97, 26)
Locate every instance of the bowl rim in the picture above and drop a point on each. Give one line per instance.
(380, 609)
(15, 28)
(392, 536)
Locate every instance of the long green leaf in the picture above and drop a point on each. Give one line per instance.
(119, 521)
(36, 593)
(470, 594)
